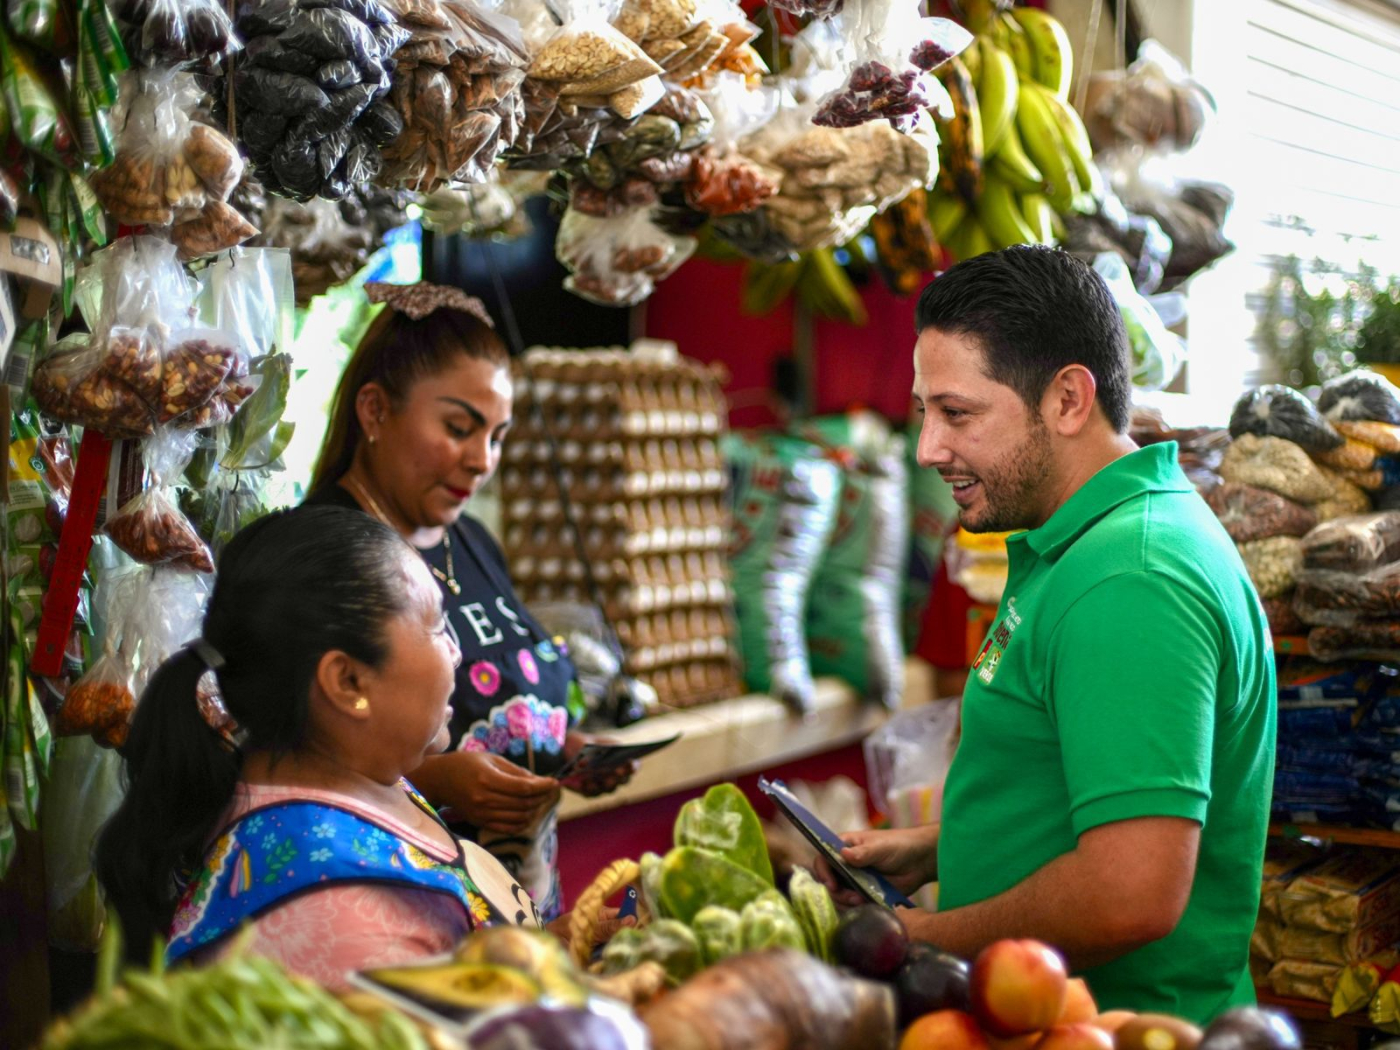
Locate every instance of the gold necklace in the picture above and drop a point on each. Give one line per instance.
(449, 579)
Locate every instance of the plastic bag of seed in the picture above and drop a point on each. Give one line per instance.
(1356, 544)
(150, 528)
(1250, 513)
(891, 51)
(724, 181)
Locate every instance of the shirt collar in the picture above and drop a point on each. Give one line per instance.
(1150, 469)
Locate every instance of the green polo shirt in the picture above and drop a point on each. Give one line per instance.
(1129, 674)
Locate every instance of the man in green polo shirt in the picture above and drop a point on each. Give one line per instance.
(1110, 793)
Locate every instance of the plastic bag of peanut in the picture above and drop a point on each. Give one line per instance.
(171, 171)
(151, 528)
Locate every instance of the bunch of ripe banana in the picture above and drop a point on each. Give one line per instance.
(1015, 155)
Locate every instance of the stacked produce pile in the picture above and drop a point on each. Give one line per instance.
(638, 447)
(1322, 912)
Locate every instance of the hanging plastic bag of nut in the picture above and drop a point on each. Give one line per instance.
(150, 528)
(167, 33)
(587, 58)
(723, 181)
(891, 51)
(779, 534)
(835, 180)
(101, 701)
(111, 380)
(617, 261)
(171, 171)
(738, 55)
(651, 155)
(457, 88)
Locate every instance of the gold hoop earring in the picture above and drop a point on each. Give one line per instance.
(362, 704)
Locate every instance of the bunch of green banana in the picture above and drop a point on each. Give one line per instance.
(820, 283)
(1029, 161)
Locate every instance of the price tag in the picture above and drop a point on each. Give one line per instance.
(74, 545)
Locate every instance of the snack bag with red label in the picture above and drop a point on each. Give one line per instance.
(1384, 1010)
(1359, 983)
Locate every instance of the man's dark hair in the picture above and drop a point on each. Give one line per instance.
(1035, 310)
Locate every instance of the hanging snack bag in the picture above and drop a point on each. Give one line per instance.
(38, 121)
(738, 55)
(170, 171)
(617, 261)
(1360, 395)
(101, 701)
(1281, 411)
(457, 88)
(784, 497)
(892, 52)
(172, 609)
(310, 90)
(587, 56)
(168, 33)
(1250, 513)
(724, 181)
(150, 528)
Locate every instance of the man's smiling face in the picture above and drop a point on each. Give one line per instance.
(980, 435)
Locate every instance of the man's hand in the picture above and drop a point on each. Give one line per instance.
(486, 790)
(907, 857)
(591, 783)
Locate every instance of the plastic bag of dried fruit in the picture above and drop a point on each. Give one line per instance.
(889, 52)
(150, 527)
(617, 261)
(165, 33)
(738, 54)
(101, 701)
(723, 180)
(170, 170)
(587, 57)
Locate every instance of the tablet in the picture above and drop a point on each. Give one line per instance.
(599, 757)
(869, 883)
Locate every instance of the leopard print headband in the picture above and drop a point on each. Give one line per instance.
(419, 300)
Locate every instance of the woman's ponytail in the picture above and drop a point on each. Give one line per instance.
(180, 778)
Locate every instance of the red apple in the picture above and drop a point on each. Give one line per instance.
(944, 1030)
(1079, 1003)
(1018, 987)
(1079, 1036)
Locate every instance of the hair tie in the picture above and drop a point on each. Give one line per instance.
(417, 301)
(210, 701)
(208, 655)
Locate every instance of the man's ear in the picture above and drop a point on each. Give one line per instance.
(340, 679)
(1069, 400)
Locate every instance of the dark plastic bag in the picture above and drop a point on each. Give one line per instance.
(1360, 395)
(1355, 544)
(1281, 411)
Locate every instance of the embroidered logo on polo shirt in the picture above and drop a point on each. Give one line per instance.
(989, 659)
